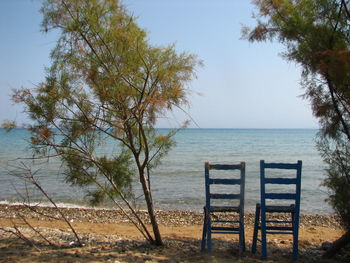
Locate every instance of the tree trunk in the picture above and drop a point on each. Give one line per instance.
(338, 245)
(148, 197)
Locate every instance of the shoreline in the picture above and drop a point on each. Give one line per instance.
(67, 205)
(165, 217)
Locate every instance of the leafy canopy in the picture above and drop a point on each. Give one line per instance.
(316, 36)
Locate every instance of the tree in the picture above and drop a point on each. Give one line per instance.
(316, 36)
(106, 85)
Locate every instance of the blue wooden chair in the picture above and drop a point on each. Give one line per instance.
(220, 204)
(268, 226)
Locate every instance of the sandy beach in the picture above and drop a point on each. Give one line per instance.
(108, 237)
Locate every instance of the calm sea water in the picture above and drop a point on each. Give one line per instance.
(179, 182)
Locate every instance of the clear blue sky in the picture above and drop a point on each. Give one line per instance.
(242, 84)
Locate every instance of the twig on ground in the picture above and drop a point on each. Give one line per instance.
(16, 232)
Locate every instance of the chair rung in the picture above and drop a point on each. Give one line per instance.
(224, 209)
(287, 196)
(279, 228)
(279, 222)
(288, 233)
(225, 232)
(224, 181)
(224, 196)
(225, 221)
(280, 209)
(221, 228)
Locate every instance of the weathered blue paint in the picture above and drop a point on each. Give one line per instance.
(225, 196)
(280, 180)
(225, 181)
(209, 210)
(265, 226)
(280, 196)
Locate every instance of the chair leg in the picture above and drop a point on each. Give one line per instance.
(295, 245)
(204, 232)
(263, 235)
(204, 237)
(209, 233)
(256, 228)
(241, 239)
(241, 232)
(295, 237)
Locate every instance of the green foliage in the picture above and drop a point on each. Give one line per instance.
(316, 36)
(118, 172)
(336, 155)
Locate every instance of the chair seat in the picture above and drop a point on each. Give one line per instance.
(224, 209)
(280, 208)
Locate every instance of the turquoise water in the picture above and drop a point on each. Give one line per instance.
(179, 182)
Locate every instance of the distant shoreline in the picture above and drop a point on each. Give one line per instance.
(165, 217)
(111, 207)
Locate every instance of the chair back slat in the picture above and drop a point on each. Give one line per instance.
(285, 166)
(225, 166)
(224, 181)
(280, 180)
(225, 196)
(282, 196)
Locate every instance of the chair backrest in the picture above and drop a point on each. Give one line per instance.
(233, 180)
(293, 182)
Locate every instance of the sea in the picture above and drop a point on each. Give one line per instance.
(178, 183)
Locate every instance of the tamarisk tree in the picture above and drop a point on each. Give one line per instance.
(106, 85)
(316, 34)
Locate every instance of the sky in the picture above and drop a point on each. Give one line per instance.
(241, 85)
